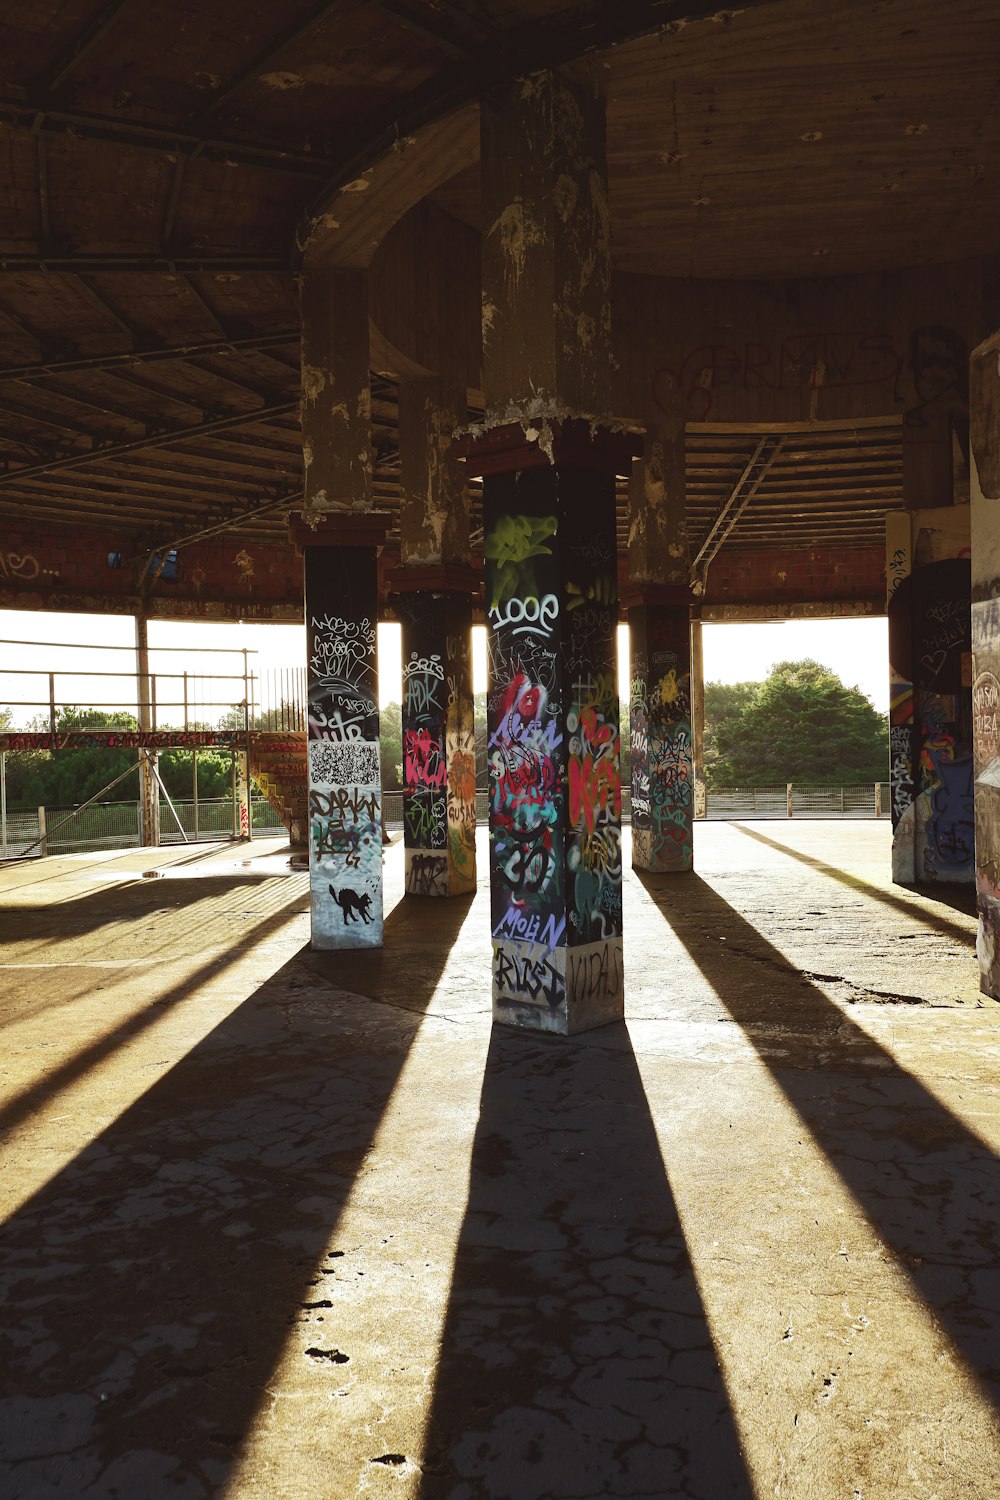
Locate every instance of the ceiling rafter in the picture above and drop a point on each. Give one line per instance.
(267, 55)
(39, 116)
(153, 440)
(84, 44)
(159, 355)
(171, 265)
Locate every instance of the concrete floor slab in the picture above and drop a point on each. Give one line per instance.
(284, 1224)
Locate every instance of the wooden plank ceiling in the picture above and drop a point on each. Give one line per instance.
(158, 159)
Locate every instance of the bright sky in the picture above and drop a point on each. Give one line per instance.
(856, 649)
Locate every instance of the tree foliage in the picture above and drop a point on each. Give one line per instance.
(802, 724)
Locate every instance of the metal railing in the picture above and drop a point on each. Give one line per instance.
(163, 700)
(118, 825)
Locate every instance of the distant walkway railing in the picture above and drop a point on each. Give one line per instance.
(117, 825)
(793, 800)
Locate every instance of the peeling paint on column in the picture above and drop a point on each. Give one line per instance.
(658, 540)
(336, 392)
(546, 255)
(434, 504)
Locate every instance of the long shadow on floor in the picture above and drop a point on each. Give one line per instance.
(928, 1185)
(959, 897)
(576, 1359)
(151, 1286)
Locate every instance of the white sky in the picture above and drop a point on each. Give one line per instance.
(856, 649)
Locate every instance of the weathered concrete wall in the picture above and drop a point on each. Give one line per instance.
(225, 578)
(827, 348)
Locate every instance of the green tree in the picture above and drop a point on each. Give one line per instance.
(390, 729)
(802, 724)
(724, 702)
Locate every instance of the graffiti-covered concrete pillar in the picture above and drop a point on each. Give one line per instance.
(552, 726)
(345, 784)
(662, 743)
(661, 737)
(549, 461)
(340, 535)
(435, 584)
(149, 786)
(930, 703)
(984, 393)
(439, 747)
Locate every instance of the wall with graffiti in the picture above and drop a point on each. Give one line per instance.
(928, 575)
(439, 752)
(554, 748)
(661, 739)
(345, 796)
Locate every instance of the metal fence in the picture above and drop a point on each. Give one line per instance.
(793, 800)
(118, 825)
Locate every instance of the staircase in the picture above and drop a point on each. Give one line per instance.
(279, 765)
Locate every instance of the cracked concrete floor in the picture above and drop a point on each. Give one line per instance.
(281, 1224)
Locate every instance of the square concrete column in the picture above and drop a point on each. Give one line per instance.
(660, 730)
(984, 414)
(434, 586)
(659, 620)
(345, 782)
(439, 745)
(553, 726)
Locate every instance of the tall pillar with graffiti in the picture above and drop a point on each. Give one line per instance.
(340, 536)
(660, 732)
(549, 458)
(345, 784)
(553, 727)
(434, 586)
(930, 710)
(439, 749)
(660, 717)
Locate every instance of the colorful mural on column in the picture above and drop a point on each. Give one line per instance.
(345, 796)
(554, 747)
(930, 645)
(439, 759)
(661, 738)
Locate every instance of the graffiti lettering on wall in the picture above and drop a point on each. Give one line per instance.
(345, 799)
(21, 566)
(523, 974)
(897, 568)
(901, 769)
(661, 739)
(837, 360)
(423, 684)
(426, 874)
(985, 720)
(439, 768)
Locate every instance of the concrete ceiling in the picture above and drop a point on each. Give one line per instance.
(159, 157)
